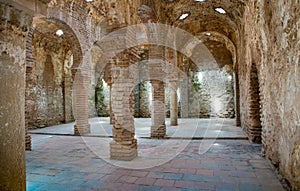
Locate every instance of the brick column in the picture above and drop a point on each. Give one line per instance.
(124, 145)
(253, 123)
(237, 100)
(173, 104)
(29, 66)
(81, 89)
(158, 127)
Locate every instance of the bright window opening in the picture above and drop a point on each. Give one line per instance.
(220, 10)
(184, 16)
(59, 32)
(200, 0)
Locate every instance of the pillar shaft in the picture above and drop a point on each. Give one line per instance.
(124, 145)
(173, 104)
(12, 124)
(237, 100)
(81, 89)
(12, 101)
(184, 98)
(158, 127)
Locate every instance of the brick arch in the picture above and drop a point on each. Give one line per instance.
(69, 34)
(216, 36)
(231, 46)
(160, 35)
(96, 57)
(73, 39)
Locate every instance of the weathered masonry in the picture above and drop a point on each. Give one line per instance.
(68, 60)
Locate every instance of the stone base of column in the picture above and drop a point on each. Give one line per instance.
(28, 142)
(82, 130)
(253, 132)
(158, 132)
(123, 151)
(174, 122)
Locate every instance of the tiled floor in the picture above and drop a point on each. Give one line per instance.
(82, 163)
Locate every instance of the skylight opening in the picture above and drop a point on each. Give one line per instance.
(200, 0)
(220, 10)
(59, 32)
(89, 0)
(207, 34)
(184, 16)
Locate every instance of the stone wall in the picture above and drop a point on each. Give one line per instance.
(210, 93)
(217, 85)
(49, 83)
(142, 100)
(271, 42)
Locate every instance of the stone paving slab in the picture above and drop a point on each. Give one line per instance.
(68, 163)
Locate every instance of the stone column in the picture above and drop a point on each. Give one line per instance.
(237, 99)
(12, 120)
(124, 145)
(173, 104)
(81, 89)
(184, 98)
(158, 127)
(14, 25)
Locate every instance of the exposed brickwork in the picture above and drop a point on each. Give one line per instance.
(81, 85)
(263, 32)
(253, 123)
(29, 65)
(49, 80)
(124, 145)
(75, 21)
(158, 126)
(237, 100)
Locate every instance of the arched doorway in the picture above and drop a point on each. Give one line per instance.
(50, 61)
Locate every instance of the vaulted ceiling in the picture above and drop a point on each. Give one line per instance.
(204, 19)
(203, 16)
